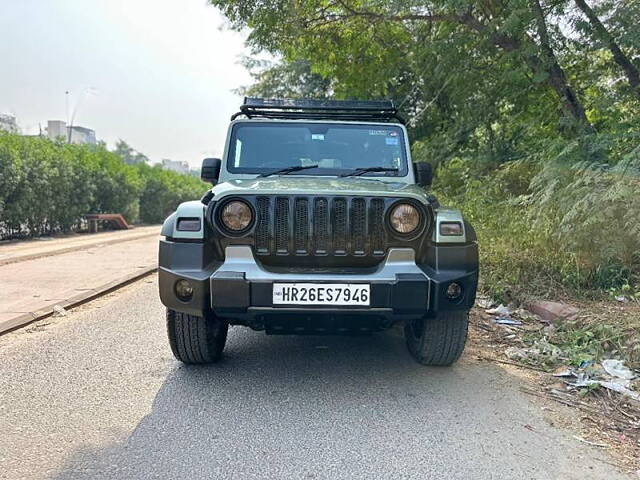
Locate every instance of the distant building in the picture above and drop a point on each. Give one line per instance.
(82, 135)
(175, 166)
(57, 129)
(8, 123)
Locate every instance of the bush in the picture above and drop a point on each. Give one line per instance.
(48, 187)
(565, 219)
(164, 190)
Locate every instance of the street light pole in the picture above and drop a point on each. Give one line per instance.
(66, 108)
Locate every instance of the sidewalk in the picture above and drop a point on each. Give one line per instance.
(67, 271)
(11, 252)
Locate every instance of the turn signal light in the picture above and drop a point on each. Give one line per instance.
(189, 224)
(451, 229)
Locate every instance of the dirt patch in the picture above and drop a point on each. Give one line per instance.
(534, 351)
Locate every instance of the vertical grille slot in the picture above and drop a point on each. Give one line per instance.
(376, 226)
(340, 226)
(301, 226)
(358, 226)
(262, 226)
(282, 225)
(321, 226)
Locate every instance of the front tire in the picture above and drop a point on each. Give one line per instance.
(437, 341)
(196, 340)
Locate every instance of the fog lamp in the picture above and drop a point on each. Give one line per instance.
(454, 291)
(184, 290)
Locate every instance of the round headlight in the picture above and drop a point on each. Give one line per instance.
(404, 218)
(236, 216)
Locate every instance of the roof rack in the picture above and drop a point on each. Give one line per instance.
(311, 109)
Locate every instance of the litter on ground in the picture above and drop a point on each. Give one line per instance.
(499, 310)
(506, 321)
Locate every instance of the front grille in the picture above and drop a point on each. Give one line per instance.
(320, 226)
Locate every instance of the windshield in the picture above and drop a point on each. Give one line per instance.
(261, 148)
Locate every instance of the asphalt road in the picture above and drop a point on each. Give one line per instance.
(97, 394)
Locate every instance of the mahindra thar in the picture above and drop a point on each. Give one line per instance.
(318, 223)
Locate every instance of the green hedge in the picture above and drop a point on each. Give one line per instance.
(48, 186)
(548, 224)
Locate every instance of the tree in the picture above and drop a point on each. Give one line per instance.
(128, 154)
(602, 33)
(338, 34)
(284, 80)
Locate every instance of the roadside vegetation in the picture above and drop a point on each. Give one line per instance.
(529, 111)
(48, 187)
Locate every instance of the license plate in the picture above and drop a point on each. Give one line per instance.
(321, 294)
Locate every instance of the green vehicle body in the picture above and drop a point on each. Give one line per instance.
(232, 278)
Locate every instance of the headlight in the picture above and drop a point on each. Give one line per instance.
(236, 216)
(404, 218)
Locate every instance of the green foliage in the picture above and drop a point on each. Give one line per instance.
(493, 94)
(128, 154)
(284, 80)
(164, 191)
(48, 186)
(553, 225)
(579, 342)
(591, 342)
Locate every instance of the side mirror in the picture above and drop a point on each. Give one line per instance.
(210, 171)
(423, 173)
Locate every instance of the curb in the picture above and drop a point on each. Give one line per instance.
(51, 253)
(24, 319)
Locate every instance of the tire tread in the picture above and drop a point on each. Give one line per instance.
(194, 339)
(443, 339)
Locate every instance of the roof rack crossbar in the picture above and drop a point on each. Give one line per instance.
(374, 110)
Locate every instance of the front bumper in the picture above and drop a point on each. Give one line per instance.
(240, 289)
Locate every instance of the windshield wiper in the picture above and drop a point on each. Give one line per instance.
(362, 171)
(287, 170)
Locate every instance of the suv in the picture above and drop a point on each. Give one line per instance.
(318, 223)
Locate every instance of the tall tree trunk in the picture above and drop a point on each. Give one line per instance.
(604, 36)
(557, 77)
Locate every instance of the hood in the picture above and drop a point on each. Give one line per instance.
(297, 185)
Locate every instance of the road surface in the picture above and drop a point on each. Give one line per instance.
(96, 394)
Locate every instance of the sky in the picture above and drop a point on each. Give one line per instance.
(157, 73)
